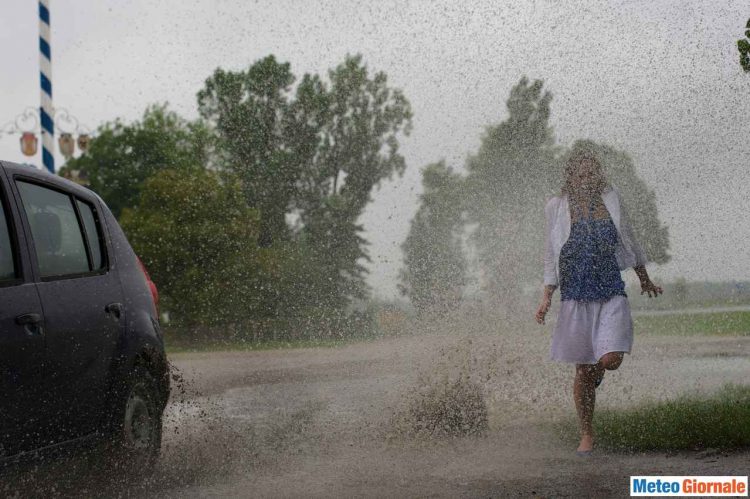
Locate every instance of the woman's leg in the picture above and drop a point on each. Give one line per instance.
(584, 394)
(611, 360)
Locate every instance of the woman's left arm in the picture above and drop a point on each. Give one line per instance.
(647, 286)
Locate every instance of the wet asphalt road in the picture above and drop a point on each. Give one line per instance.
(322, 422)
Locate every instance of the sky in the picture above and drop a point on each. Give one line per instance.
(660, 80)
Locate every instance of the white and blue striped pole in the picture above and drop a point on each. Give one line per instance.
(46, 110)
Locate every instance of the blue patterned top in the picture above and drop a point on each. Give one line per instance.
(588, 267)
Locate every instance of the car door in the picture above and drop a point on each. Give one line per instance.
(81, 298)
(22, 341)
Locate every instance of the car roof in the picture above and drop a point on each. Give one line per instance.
(45, 176)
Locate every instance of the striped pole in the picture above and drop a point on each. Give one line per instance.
(46, 110)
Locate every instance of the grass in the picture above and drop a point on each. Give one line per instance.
(720, 421)
(688, 324)
(174, 345)
(735, 323)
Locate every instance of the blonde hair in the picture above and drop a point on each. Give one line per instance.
(574, 162)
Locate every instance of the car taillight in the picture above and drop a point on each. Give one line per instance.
(151, 285)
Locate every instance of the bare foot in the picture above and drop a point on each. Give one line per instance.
(587, 443)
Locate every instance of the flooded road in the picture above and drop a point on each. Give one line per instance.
(319, 422)
(322, 422)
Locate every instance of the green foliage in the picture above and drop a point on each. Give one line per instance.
(360, 138)
(699, 294)
(743, 45)
(509, 179)
(689, 422)
(205, 203)
(197, 237)
(334, 247)
(122, 156)
(359, 120)
(319, 151)
(176, 344)
(248, 110)
(515, 171)
(730, 323)
(434, 273)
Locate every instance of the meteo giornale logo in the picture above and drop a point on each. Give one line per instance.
(715, 486)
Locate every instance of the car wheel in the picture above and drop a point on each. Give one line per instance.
(136, 432)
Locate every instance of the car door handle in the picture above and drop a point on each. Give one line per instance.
(114, 309)
(26, 319)
(31, 323)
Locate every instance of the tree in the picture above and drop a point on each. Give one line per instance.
(360, 120)
(248, 110)
(516, 170)
(197, 237)
(743, 45)
(122, 156)
(318, 152)
(434, 272)
(508, 180)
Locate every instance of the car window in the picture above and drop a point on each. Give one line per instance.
(7, 267)
(93, 234)
(58, 240)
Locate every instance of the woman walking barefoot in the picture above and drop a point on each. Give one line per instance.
(588, 241)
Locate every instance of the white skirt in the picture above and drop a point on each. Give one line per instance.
(586, 330)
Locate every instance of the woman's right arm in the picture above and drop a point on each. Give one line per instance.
(550, 276)
(541, 312)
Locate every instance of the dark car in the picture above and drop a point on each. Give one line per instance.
(81, 353)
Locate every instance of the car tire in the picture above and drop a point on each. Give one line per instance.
(134, 436)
